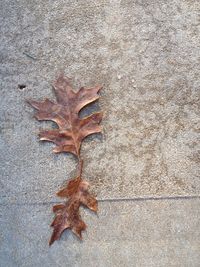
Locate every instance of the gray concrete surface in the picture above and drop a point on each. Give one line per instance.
(146, 54)
(154, 233)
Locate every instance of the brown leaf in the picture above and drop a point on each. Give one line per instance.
(65, 113)
(68, 137)
(67, 215)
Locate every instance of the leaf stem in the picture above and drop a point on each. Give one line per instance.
(80, 167)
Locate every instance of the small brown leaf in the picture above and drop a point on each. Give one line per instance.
(67, 215)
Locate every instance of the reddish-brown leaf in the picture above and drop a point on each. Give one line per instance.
(67, 215)
(68, 137)
(65, 113)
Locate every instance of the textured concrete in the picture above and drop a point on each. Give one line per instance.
(146, 54)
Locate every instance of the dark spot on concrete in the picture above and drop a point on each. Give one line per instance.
(21, 86)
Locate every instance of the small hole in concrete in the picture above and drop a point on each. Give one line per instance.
(21, 86)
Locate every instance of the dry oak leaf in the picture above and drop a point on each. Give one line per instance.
(68, 137)
(67, 215)
(65, 113)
